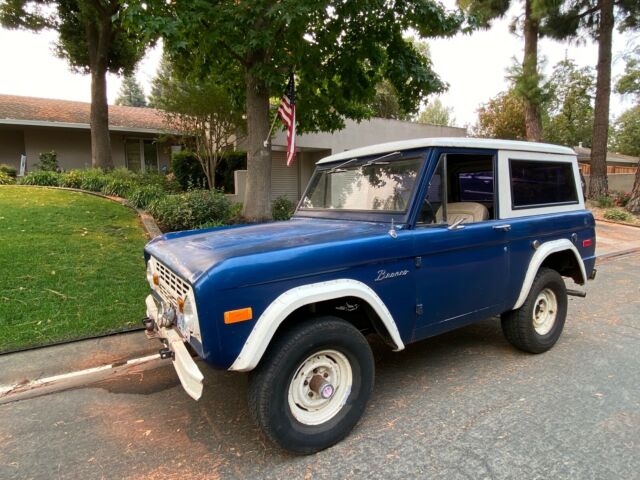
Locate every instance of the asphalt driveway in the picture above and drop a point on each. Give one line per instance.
(462, 405)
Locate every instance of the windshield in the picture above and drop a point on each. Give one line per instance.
(375, 186)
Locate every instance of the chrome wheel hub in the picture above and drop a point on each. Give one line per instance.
(320, 387)
(545, 310)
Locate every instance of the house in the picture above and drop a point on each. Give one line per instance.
(616, 162)
(311, 147)
(30, 126)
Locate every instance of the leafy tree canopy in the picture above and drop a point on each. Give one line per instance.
(435, 113)
(341, 52)
(626, 132)
(629, 82)
(502, 117)
(569, 107)
(79, 24)
(131, 93)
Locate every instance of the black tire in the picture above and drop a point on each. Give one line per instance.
(270, 384)
(518, 325)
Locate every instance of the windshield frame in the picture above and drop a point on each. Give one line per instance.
(367, 215)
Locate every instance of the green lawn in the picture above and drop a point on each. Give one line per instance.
(71, 265)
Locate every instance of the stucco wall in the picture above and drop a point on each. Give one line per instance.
(621, 182)
(11, 146)
(369, 132)
(73, 146)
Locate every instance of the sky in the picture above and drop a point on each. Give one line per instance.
(473, 65)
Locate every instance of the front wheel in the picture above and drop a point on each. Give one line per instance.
(536, 326)
(313, 384)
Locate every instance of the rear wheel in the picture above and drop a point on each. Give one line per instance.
(536, 326)
(313, 385)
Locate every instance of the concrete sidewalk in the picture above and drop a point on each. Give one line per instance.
(613, 238)
(21, 367)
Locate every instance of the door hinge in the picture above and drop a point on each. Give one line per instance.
(419, 309)
(418, 262)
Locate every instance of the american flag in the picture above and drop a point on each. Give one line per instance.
(287, 113)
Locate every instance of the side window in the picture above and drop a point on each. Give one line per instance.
(536, 184)
(462, 188)
(433, 206)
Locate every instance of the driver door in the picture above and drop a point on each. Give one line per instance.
(460, 246)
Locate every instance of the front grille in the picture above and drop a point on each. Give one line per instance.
(171, 287)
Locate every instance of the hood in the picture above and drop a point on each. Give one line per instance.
(193, 253)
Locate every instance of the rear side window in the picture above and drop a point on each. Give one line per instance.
(537, 184)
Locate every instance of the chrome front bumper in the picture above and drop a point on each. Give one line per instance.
(188, 372)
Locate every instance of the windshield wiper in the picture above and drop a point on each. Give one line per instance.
(375, 161)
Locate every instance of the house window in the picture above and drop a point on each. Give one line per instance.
(141, 154)
(535, 183)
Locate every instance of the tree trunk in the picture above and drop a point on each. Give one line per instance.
(533, 121)
(634, 202)
(598, 183)
(100, 141)
(257, 199)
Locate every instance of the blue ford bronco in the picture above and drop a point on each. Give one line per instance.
(403, 240)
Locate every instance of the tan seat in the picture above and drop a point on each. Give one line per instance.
(470, 212)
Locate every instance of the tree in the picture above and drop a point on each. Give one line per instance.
(503, 116)
(93, 39)
(596, 18)
(627, 127)
(131, 93)
(626, 132)
(338, 50)
(629, 82)
(528, 81)
(202, 113)
(160, 81)
(568, 113)
(385, 104)
(435, 113)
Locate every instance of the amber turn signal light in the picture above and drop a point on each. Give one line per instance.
(156, 279)
(235, 316)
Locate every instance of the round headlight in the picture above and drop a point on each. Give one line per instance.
(190, 316)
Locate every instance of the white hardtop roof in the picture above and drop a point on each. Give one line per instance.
(382, 148)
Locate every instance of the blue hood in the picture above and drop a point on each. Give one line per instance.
(191, 254)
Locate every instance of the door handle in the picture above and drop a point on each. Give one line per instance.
(504, 228)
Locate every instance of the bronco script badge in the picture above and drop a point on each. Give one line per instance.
(384, 275)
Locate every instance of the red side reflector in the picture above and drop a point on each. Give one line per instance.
(587, 243)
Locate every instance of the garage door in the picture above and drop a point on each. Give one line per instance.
(284, 180)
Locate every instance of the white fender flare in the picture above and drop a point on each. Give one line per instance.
(266, 326)
(539, 256)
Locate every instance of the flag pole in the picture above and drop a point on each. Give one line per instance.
(266, 142)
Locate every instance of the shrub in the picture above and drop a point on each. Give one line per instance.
(187, 170)
(6, 179)
(282, 208)
(191, 209)
(145, 195)
(8, 169)
(620, 199)
(122, 173)
(71, 179)
(93, 179)
(117, 186)
(617, 215)
(48, 162)
(43, 178)
(604, 201)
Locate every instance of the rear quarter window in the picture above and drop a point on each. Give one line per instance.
(539, 183)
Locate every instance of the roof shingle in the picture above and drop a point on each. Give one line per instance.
(14, 107)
